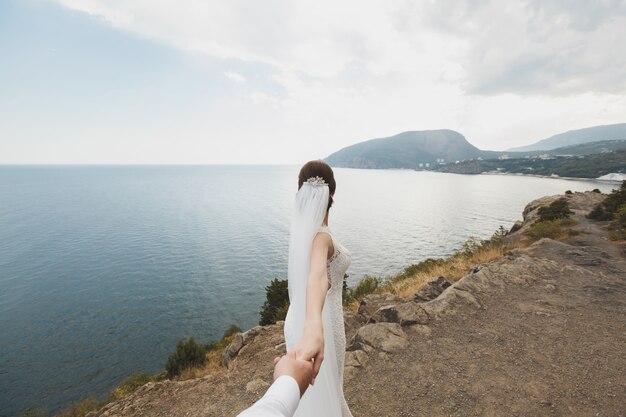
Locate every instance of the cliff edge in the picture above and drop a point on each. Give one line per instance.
(540, 331)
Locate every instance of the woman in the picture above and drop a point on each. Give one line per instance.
(314, 325)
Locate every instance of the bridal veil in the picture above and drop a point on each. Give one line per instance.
(310, 209)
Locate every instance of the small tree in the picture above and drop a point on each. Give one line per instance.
(188, 354)
(276, 302)
(558, 209)
(608, 208)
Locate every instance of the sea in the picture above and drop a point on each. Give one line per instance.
(104, 268)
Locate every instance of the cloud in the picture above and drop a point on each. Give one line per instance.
(311, 77)
(235, 76)
(486, 47)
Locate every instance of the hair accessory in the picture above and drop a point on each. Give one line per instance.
(316, 181)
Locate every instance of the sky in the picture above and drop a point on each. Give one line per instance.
(286, 81)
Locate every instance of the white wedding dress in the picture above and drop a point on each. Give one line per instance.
(325, 398)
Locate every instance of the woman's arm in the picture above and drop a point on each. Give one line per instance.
(311, 344)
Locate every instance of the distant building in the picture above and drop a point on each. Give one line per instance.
(503, 157)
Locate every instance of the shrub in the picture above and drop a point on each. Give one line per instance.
(558, 209)
(607, 209)
(569, 192)
(130, 385)
(276, 302)
(81, 409)
(553, 229)
(597, 190)
(346, 294)
(188, 354)
(367, 285)
(425, 266)
(231, 331)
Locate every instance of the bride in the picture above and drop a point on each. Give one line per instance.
(314, 325)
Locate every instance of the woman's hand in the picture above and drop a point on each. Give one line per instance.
(311, 346)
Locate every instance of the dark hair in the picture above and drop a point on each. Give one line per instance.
(319, 168)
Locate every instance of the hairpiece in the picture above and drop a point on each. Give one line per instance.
(316, 181)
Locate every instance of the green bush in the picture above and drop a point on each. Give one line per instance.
(425, 266)
(346, 294)
(569, 192)
(276, 302)
(553, 229)
(609, 208)
(81, 409)
(188, 354)
(232, 330)
(367, 285)
(558, 209)
(130, 385)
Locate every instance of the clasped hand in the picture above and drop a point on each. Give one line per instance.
(310, 347)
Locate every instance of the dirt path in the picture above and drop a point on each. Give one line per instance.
(550, 342)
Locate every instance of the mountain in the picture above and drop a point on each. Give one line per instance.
(602, 146)
(575, 137)
(408, 150)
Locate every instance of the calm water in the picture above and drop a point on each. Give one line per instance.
(103, 269)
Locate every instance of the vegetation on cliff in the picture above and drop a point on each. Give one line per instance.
(590, 166)
(613, 209)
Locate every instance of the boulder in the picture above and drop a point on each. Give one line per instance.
(432, 290)
(405, 314)
(387, 337)
(371, 303)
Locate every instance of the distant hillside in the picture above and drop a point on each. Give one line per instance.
(588, 148)
(589, 166)
(574, 137)
(408, 150)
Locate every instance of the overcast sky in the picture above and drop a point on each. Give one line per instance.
(285, 81)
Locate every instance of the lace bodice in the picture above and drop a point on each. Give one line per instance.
(337, 264)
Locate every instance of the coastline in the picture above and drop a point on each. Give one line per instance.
(516, 174)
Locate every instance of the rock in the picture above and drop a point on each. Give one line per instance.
(350, 372)
(405, 314)
(371, 303)
(233, 349)
(352, 322)
(421, 329)
(356, 358)
(240, 341)
(516, 226)
(388, 337)
(256, 386)
(432, 290)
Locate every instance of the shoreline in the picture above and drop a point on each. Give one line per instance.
(556, 177)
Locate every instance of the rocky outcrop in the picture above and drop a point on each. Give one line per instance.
(432, 290)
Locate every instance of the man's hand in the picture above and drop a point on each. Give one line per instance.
(298, 369)
(311, 347)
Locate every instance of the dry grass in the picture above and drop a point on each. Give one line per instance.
(212, 366)
(454, 268)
